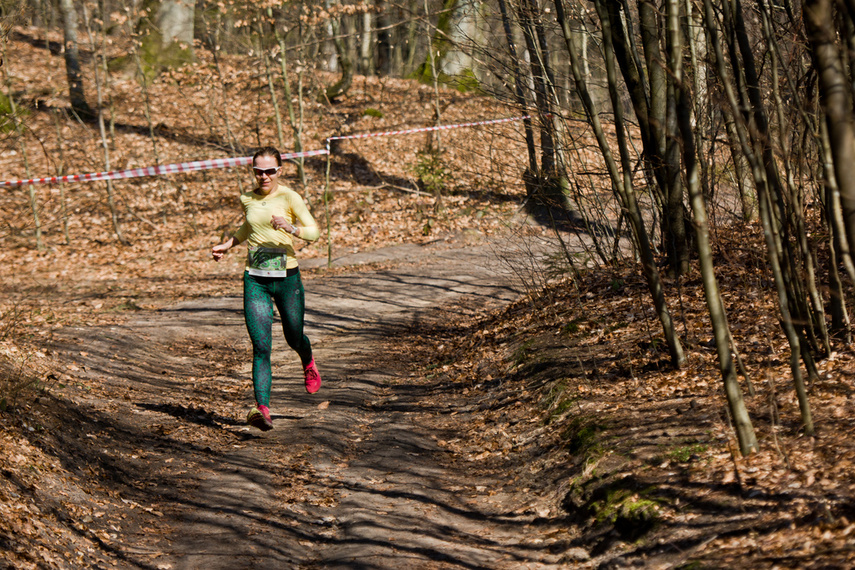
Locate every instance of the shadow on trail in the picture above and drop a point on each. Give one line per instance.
(191, 414)
(591, 503)
(105, 452)
(353, 167)
(163, 132)
(359, 482)
(373, 299)
(398, 493)
(251, 525)
(566, 220)
(328, 500)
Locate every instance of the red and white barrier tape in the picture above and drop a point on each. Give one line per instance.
(155, 170)
(427, 129)
(230, 162)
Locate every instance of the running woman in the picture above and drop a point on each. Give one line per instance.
(274, 215)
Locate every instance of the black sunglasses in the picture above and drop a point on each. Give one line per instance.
(267, 171)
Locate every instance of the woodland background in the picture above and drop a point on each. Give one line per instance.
(718, 137)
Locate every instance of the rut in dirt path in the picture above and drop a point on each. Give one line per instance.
(351, 477)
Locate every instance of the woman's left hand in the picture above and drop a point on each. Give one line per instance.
(280, 223)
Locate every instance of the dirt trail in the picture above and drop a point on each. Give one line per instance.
(351, 477)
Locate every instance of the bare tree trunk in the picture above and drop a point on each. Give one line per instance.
(721, 331)
(837, 108)
(839, 314)
(701, 111)
(365, 52)
(348, 24)
(398, 44)
(557, 184)
(61, 172)
(519, 94)
(294, 118)
(175, 21)
(271, 86)
(107, 87)
(412, 43)
(435, 81)
(804, 297)
(528, 13)
(76, 94)
(463, 33)
(791, 287)
(622, 181)
(229, 136)
(580, 71)
(114, 214)
(383, 47)
(760, 178)
(434, 140)
(663, 135)
(168, 34)
(741, 171)
(581, 41)
(147, 112)
(652, 98)
(342, 86)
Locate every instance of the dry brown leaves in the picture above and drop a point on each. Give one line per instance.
(789, 505)
(545, 369)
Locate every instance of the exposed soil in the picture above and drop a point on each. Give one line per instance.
(149, 417)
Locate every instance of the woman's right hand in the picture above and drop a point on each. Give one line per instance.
(219, 250)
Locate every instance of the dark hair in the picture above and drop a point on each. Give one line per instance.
(268, 151)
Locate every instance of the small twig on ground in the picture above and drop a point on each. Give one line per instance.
(402, 189)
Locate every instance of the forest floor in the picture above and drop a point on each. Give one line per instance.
(461, 425)
(483, 405)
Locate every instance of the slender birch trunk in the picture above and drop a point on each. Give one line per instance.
(365, 52)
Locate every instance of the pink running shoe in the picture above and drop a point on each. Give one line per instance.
(313, 377)
(259, 417)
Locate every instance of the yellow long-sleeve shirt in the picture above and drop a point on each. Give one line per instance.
(271, 251)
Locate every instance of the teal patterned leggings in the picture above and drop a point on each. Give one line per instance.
(259, 294)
